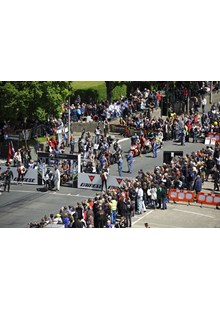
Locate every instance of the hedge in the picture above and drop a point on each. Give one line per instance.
(96, 91)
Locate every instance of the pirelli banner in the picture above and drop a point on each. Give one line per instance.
(30, 176)
(93, 181)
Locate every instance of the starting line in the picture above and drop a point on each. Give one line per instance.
(50, 193)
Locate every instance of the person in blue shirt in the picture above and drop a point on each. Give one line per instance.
(130, 161)
(155, 147)
(198, 184)
(103, 161)
(183, 137)
(120, 165)
(66, 220)
(108, 225)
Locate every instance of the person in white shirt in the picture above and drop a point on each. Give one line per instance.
(203, 102)
(17, 158)
(57, 179)
(153, 191)
(140, 195)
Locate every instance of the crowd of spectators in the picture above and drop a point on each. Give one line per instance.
(115, 207)
(99, 111)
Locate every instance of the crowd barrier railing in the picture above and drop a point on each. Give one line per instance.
(216, 136)
(211, 199)
(181, 195)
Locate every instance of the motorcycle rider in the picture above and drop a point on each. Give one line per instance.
(49, 179)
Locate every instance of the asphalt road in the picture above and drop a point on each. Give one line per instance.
(25, 203)
(147, 162)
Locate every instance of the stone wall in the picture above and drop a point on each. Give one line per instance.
(78, 127)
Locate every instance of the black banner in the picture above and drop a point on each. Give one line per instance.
(58, 156)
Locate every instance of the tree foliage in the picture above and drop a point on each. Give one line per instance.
(34, 100)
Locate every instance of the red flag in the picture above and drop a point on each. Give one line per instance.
(9, 152)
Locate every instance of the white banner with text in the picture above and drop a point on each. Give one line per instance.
(93, 181)
(30, 177)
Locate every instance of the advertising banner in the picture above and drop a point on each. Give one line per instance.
(30, 177)
(93, 181)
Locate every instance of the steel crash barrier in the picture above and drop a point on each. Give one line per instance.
(210, 199)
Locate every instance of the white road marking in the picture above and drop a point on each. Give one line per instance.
(23, 191)
(161, 225)
(122, 140)
(50, 193)
(72, 195)
(142, 217)
(194, 213)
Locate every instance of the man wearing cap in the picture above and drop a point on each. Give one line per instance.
(8, 175)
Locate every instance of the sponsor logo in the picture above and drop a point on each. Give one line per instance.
(119, 180)
(28, 180)
(91, 177)
(87, 185)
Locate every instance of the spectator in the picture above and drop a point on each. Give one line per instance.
(66, 220)
(198, 184)
(113, 206)
(21, 173)
(164, 196)
(8, 176)
(203, 102)
(216, 178)
(140, 194)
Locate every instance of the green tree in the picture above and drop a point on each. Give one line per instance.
(110, 85)
(32, 100)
